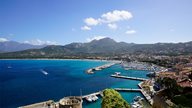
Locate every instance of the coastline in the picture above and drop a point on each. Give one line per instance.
(63, 59)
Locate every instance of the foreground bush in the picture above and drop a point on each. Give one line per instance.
(112, 99)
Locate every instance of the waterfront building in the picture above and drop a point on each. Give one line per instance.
(71, 102)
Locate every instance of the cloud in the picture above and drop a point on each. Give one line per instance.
(112, 26)
(40, 42)
(109, 18)
(130, 32)
(91, 21)
(85, 28)
(95, 38)
(3, 40)
(116, 15)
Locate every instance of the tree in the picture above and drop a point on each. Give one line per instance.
(112, 99)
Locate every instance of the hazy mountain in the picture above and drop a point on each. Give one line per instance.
(11, 46)
(104, 46)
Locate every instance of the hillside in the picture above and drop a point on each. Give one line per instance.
(12, 46)
(102, 47)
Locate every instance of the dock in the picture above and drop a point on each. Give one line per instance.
(96, 93)
(127, 77)
(147, 96)
(128, 89)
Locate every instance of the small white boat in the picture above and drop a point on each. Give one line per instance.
(137, 98)
(117, 73)
(88, 98)
(44, 72)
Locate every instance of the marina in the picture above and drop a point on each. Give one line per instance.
(127, 77)
(62, 74)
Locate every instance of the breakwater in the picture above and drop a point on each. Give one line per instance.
(92, 70)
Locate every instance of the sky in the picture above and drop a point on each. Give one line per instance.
(66, 21)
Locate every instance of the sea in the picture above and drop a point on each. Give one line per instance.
(24, 82)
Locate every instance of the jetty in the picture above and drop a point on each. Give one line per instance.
(128, 89)
(147, 96)
(96, 93)
(91, 71)
(127, 77)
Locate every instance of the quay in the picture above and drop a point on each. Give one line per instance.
(147, 96)
(128, 89)
(126, 77)
(91, 70)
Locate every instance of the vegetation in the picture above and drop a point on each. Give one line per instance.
(104, 47)
(112, 99)
(182, 97)
(183, 100)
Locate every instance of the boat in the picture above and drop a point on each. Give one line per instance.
(138, 98)
(135, 105)
(44, 72)
(88, 98)
(94, 97)
(117, 73)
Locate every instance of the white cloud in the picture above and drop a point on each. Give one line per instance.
(130, 32)
(109, 18)
(85, 28)
(95, 38)
(116, 15)
(112, 26)
(3, 40)
(40, 42)
(91, 21)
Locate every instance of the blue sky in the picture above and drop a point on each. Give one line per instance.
(66, 21)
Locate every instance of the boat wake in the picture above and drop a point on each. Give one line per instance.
(44, 72)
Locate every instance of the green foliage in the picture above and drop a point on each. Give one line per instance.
(183, 100)
(112, 99)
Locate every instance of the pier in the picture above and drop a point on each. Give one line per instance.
(126, 77)
(147, 96)
(96, 93)
(91, 71)
(128, 89)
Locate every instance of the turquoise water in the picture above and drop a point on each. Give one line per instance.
(24, 83)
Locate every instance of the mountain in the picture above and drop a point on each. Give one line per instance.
(12, 46)
(102, 47)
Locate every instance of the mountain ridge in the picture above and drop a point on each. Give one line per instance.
(12, 46)
(102, 47)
